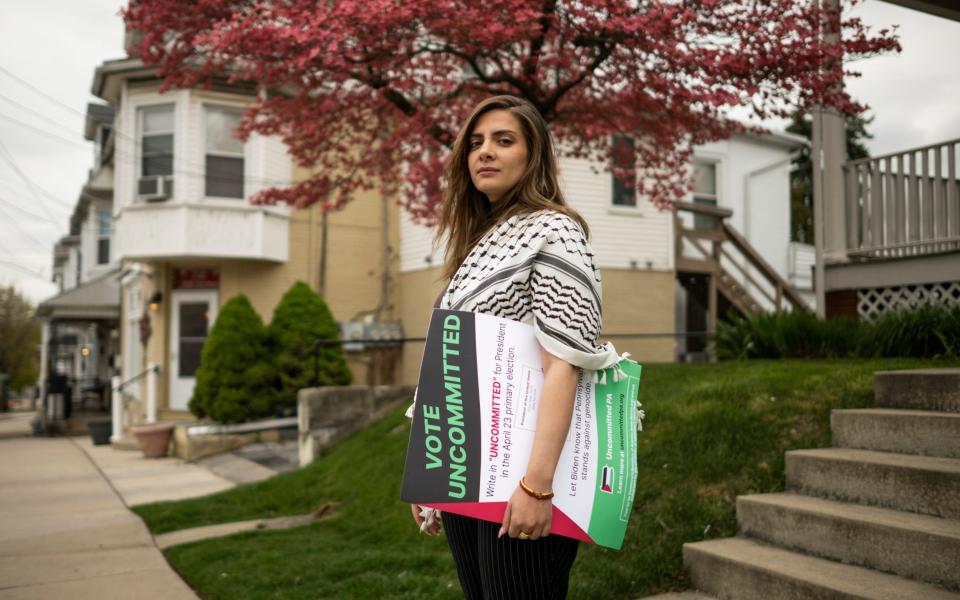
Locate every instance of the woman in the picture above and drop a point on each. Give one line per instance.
(516, 250)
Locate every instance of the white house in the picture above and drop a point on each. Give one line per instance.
(655, 289)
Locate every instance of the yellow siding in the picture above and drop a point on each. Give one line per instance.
(636, 301)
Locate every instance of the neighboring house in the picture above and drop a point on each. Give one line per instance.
(654, 291)
(164, 230)
(188, 239)
(80, 323)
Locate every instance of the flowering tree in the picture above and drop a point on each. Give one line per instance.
(371, 93)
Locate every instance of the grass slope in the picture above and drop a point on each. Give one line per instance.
(712, 432)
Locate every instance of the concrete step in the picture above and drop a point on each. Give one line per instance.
(687, 595)
(921, 484)
(895, 430)
(744, 569)
(910, 545)
(919, 389)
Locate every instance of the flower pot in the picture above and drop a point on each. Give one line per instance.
(100, 430)
(154, 439)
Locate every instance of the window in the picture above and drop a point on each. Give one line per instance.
(103, 236)
(224, 153)
(704, 191)
(624, 157)
(194, 327)
(156, 142)
(79, 269)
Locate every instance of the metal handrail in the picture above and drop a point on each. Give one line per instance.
(140, 375)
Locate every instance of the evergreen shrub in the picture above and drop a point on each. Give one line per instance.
(300, 318)
(236, 380)
(930, 331)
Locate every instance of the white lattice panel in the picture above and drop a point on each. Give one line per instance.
(871, 303)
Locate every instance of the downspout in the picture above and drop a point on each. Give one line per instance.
(385, 276)
(322, 284)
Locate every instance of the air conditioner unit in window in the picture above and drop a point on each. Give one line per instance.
(155, 188)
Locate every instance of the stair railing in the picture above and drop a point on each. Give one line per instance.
(721, 259)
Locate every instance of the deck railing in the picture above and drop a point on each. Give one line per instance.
(903, 204)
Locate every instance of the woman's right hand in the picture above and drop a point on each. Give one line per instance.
(433, 529)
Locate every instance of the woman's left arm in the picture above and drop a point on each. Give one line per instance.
(524, 512)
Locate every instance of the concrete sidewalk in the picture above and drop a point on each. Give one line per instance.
(140, 480)
(65, 532)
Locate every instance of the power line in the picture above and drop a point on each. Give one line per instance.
(19, 267)
(14, 206)
(60, 202)
(124, 135)
(37, 114)
(44, 132)
(177, 172)
(39, 91)
(24, 232)
(16, 264)
(9, 159)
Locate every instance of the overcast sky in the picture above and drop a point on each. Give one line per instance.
(54, 45)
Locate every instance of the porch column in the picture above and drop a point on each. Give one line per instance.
(829, 152)
(116, 410)
(44, 358)
(152, 393)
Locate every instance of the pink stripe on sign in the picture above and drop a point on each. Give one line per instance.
(493, 511)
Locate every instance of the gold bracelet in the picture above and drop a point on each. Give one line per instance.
(532, 492)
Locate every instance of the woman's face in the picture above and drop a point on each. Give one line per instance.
(498, 153)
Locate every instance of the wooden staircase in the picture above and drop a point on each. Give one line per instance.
(735, 269)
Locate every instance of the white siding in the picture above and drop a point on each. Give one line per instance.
(270, 164)
(759, 196)
(89, 237)
(619, 234)
(641, 237)
(70, 268)
(802, 257)
(416, 246)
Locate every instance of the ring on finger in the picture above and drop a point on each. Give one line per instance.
(524, 535)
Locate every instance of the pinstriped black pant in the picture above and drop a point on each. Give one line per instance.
(506, 568)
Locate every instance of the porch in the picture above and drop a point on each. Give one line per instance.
(887, 228)
(80, 340)
(901, 246)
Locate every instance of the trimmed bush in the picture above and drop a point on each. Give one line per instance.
(300, 318)
(931, 331)
(236, 380)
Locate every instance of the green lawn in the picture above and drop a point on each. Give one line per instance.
(712, 431)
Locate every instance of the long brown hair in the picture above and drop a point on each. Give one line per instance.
(466, 213)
